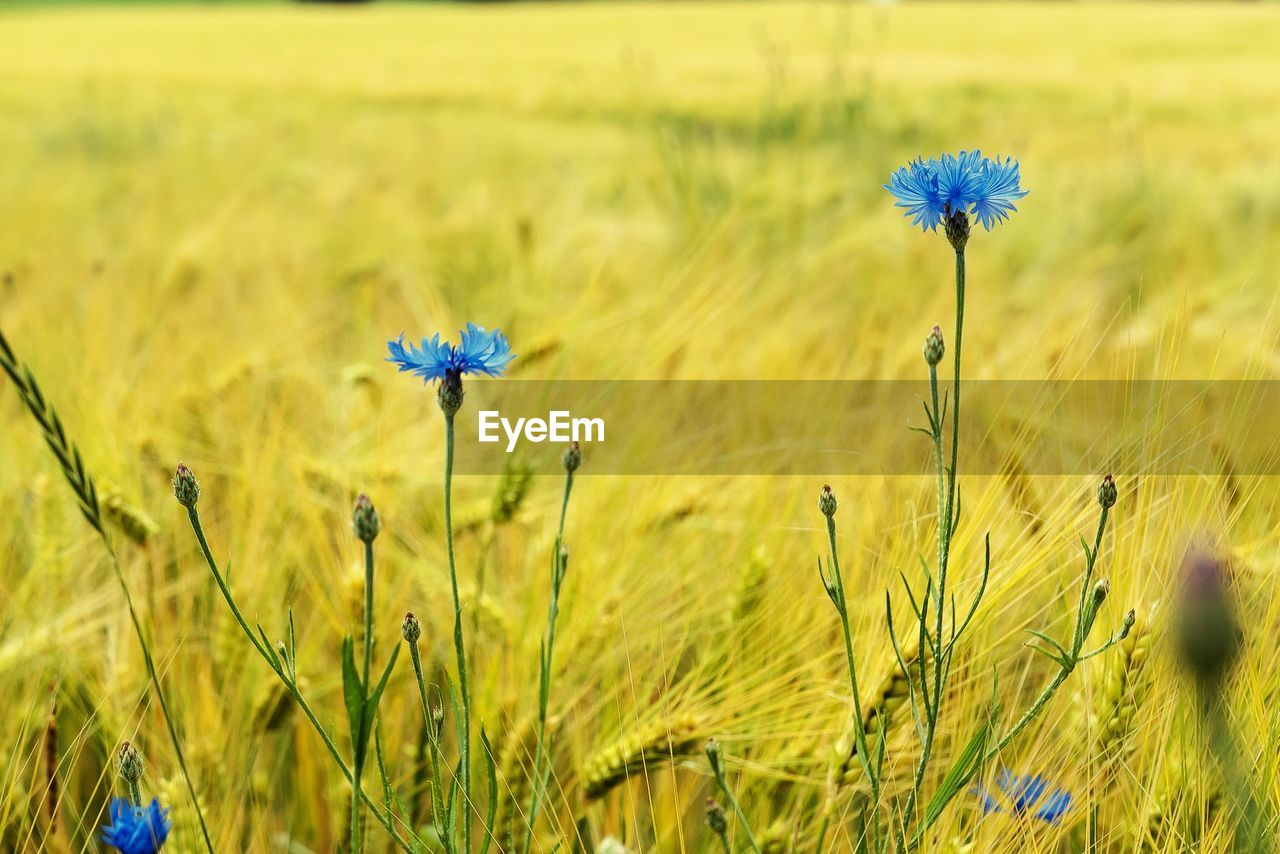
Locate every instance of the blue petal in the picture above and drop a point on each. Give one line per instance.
(989, 804)
(915, 186)
(997, 189)
(958, 180)
(1055, 807)
(135, 830)
(430, 361)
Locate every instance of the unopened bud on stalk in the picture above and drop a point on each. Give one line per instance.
(1107, 493)
(933, 347)
(827, 501)
(1129, 619)
(129, 762)
(572, 458)
(716, 819)
(411, 629)
(1207, 631)
(185, 487)
(713, 755)
(1100, 591)
(364, 519)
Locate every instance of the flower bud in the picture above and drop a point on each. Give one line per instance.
(827, 501)
(185, 487)
(1207, 631)
(714, 755)
(129, 763)
(572, 458)
(449, 397)
(716, 819)
(1107, 493)
(411, 629)
(1100, 591)
(1129, 619)
(933, 347)
(364, 519)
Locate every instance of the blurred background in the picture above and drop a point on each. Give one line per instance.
(215, 215)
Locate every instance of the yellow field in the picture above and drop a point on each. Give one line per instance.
(216, 216)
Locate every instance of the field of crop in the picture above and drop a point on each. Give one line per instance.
(215, 217)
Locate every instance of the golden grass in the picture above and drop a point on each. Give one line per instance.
(216, 216)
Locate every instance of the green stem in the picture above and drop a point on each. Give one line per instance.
(737, 809)
(135, 794)
(859, 738)
(460, 648)
(383, 819)
(358, 770)
(955, 418)
(437, 788)
(540, 780)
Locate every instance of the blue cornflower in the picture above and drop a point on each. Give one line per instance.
(1023, 796)
(966, 183)
(480, 352)
(136, 830)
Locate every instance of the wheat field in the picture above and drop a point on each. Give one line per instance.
(216, 215)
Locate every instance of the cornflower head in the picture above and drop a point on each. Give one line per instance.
(1023, 795)
(947, 190)
(479, 352)
(136, 829)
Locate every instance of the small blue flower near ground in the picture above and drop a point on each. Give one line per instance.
(966, 183)
(480, 352)
(1024, 795)
(136, 830)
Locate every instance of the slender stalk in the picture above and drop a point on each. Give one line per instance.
(544, 677)
(715, 757)
(135, 794)
(269, 656)
(460, 648)
(955, 418)
(859, 737)
(357, 771)
(437, 790)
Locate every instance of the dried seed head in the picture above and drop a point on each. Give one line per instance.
(364, 519)
(1107, 493)
(411, 629)
(827, 501)
(129, 763)
(572, 458)
(933, 346)
(185, 487)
